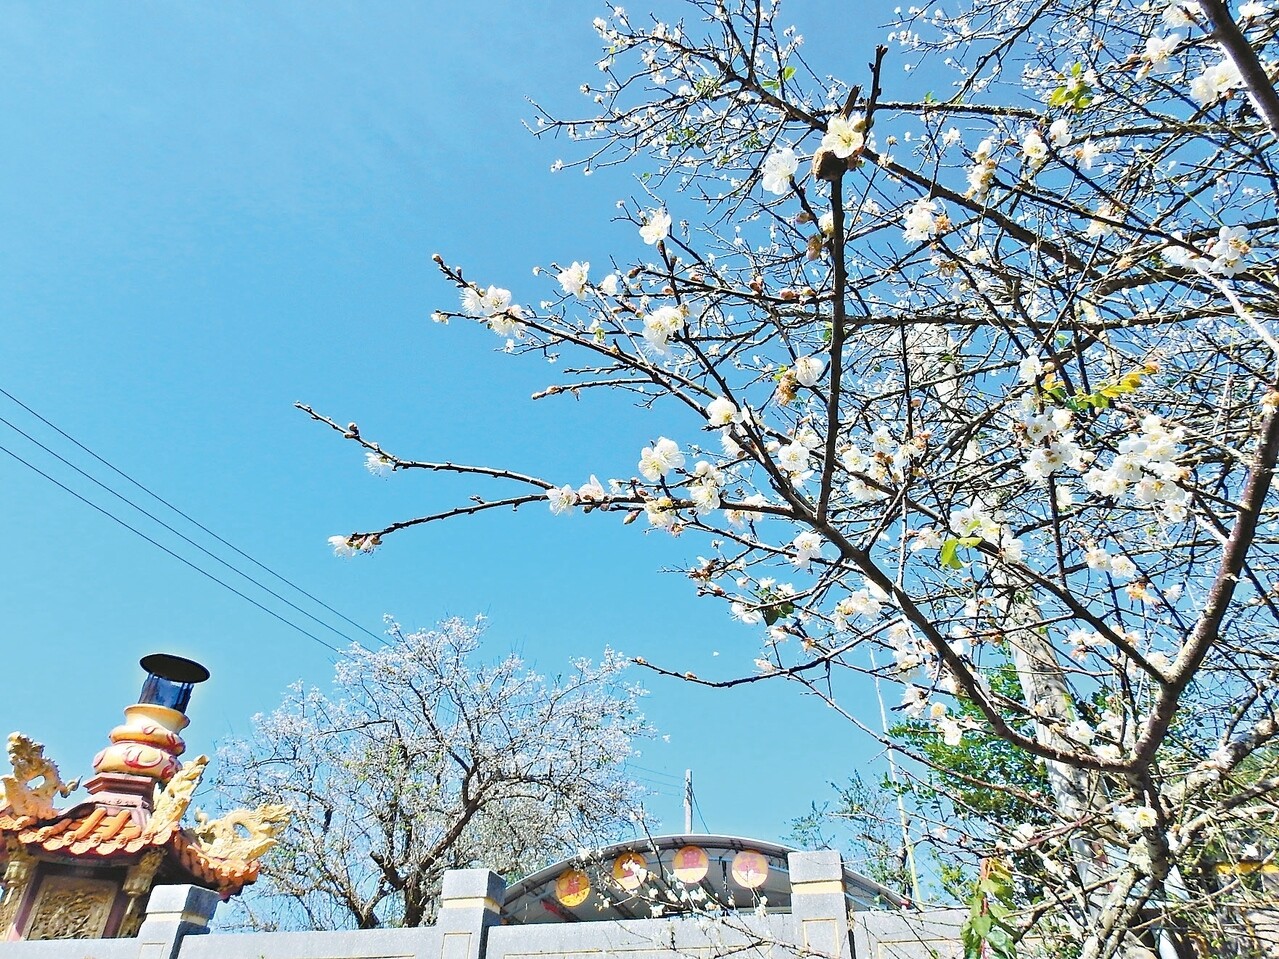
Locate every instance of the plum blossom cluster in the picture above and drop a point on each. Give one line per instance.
(1051, 443)
(884, 463)
(1145, 471)
(986, 524)
(924, 220)
(573, 278)
(562, 499)
(661, 324)
(493, 306)
(1224, 255)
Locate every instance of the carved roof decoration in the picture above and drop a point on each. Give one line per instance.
(114, 827)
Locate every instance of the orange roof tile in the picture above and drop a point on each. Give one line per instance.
(91, 830)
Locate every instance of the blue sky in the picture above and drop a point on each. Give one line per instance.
(209, 211)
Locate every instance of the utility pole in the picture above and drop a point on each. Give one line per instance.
(688, 801)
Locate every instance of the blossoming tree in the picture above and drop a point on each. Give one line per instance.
(954, 382)
(425, 759)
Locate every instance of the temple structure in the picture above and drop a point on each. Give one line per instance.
(86, 871)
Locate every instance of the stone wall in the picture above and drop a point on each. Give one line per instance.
(818, 926)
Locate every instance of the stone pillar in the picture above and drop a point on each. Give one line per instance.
(470, 902)
(174, 912)
(818, 903)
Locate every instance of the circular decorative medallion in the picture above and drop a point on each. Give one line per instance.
(630, 869)
(750, 869)
(572, 887)
(690, 864)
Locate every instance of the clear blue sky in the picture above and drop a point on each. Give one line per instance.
(209, 211)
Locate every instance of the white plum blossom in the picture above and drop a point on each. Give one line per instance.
(379, 464)
(354, 544)
(739, 516)
(1097, 558)
(1034, 149)
(854, 460)
(1100, 225)
(663, 323)
(1123, 567)
(1228, 250)
(608, 285)
(562, 499)
(778, 168)
(660, 458)
(952, 734)
(1059, 133)
(808, 546)
(573, 279)
(845, 135)
(1030, 369)
(809, 369)
(921, 220)
(914, 701)
(1159, 50)
(1087, 152)
(591, 492)
(507, 323)
(1177, 13)
(661, 512)
(705, 497)
(907, 652)
(926, 538)
(704, 491)
(657, 226)
(485, 303)
(860, 602)
(982, 173)
(1215, 82)
(342, 546)
(1146, 470)
(720, 412)
(1144, 817)
(793, 457)
(1080, 732)
(974, 521)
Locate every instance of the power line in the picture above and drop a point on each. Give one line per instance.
(698, 807)
(161, 546)
(192, 520)
(654, 772)
(213, 556)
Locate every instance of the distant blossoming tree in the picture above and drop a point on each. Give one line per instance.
(968, 372)
(425, 759)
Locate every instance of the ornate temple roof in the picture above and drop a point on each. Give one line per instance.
(99, 832)
(132, 812)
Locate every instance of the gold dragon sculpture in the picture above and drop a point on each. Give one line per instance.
(23, 796)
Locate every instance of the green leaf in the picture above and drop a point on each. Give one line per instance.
(950, 549)
(780, 611)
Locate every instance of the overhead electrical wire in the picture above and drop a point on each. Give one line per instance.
(175, 532)
(698, 807)
(161, 546)
(192, 520)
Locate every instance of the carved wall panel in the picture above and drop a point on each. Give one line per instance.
(69, 907)
(8, 910)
